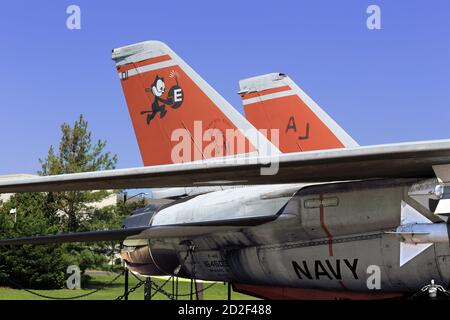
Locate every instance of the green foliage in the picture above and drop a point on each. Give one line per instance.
(83, 256)
(31, 266)
(51, 213)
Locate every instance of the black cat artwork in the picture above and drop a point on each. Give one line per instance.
(174, 99)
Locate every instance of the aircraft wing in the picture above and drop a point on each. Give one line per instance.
(144, 232)
(400, 160)
(89, 236)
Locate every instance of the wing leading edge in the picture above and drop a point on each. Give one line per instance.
(382, 161)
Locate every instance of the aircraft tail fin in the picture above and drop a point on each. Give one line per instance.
(274, 101)
(170, 103)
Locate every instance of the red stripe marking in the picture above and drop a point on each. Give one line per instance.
(142, 63)
(324, 227)
(264, 92)
(329, 236)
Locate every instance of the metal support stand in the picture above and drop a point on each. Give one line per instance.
(229, 291)
(176, 289)
(192, 287)
(126, 284)
(173, 286)
(196, 289)
(148, 289)
(199, 289)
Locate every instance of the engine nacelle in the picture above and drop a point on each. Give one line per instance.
(143, 260)
(139, 256)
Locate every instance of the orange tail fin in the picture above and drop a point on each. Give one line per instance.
(164, 95)
(274, 101)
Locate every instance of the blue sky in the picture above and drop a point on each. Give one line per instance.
(381, 86)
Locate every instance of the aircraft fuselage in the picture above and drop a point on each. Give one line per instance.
(331, 236)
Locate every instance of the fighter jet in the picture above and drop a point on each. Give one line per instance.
(315, 215)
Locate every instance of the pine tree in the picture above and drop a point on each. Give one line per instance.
(76, 153)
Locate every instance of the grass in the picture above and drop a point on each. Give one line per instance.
(217, 292)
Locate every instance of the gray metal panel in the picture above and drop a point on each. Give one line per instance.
(362, 206)
(383, 161)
